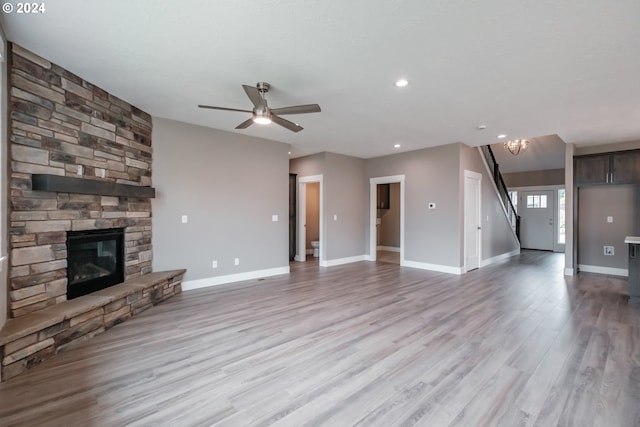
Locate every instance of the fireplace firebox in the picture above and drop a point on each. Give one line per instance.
(95, 260)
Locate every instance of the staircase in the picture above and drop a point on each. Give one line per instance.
(512, 215)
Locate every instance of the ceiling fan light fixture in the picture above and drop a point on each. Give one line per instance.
(516, 146)
(262, 117)
(262, 120)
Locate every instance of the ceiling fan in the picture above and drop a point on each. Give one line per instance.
(264, 115)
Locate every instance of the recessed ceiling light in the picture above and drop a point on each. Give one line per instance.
(396, 146)
(482, 127)
(402, 83)
(502, 135)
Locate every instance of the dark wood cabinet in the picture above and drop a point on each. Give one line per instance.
(592, 169)
(383, 196)
(621, 167)
(625, 168)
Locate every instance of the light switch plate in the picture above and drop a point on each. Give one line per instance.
(608, 250)
(609, 219)
(274, 218)
(236, 261)
(185, 219)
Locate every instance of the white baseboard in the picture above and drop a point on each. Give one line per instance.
(388, 248)
(603, 270)
(231, 278)
(431, 267)
(569, 272)
(489, 261)
(340, 261)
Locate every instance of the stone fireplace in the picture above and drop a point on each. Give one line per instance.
(80, 255)
(62, 126)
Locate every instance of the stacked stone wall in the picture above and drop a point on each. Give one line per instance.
(60, 124)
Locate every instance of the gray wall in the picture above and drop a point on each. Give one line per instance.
(616, 146)
(229, 185)
(534, 178)
(431, 175)
(497, 237)
(594, 205)
(345, 194)
(389, 228)
(4, 265)
(570, 213)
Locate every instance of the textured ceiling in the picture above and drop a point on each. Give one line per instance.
(521, 67)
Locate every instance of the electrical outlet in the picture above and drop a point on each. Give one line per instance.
(608, 250)
(236, 261)
(214, 264)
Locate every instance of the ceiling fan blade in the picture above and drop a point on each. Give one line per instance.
(245, 124)
(224, 108)
(254, 95)
(297, 109)
(285, 123)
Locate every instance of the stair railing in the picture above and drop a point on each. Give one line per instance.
(512, 214)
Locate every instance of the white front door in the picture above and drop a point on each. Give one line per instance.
(536, 210)
(472, 216)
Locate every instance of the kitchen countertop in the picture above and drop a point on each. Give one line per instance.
(632, 239)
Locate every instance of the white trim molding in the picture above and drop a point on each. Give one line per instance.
(432, 267)
(603, 270)
(232, 278)
(341, 261)
(569, 272)
(506, 255)
(3, 260)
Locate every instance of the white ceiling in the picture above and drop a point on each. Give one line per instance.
(521, 67)
(542, 153)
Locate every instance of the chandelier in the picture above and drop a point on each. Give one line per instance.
(515, 146)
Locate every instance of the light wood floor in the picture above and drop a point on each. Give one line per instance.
(367, 344)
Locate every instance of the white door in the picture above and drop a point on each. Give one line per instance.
(536, 210)
(472, 215)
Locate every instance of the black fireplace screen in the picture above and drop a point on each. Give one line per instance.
(94, 260)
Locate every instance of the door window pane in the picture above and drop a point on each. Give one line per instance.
(537, 201)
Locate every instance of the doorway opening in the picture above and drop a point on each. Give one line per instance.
(542, 213)
(388, 223)
(310, 219)
(386, 219)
